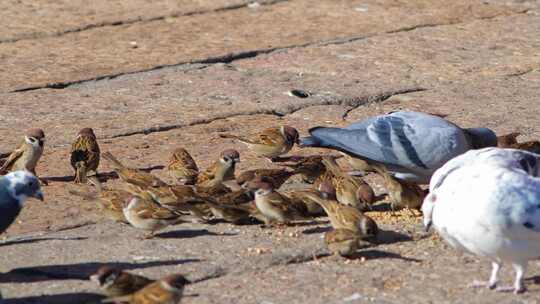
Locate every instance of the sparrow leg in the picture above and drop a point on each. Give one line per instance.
(149, 235)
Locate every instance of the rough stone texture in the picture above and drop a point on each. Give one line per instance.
(476, 61)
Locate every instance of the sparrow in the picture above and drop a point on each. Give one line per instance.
(412, 145)
(343, 242)
(234, 213)
(168, 290)
(346, 217)
(85, 155)
(115, 282)
(110, 201)
(15, 188)
(276, 177)
(221, 170)
(276, 207)
(309, 167)
(358, 164)
(270, 142)
(402, 194)
(351, 191)
(136, 177)
(182, 167)
(147, 215)
(298, 197)
(27, 155)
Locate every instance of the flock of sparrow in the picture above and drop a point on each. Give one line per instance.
(404, 148)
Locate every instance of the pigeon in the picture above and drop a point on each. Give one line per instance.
(412, 145)
(491, 211)
(510, 158)
(15, 188)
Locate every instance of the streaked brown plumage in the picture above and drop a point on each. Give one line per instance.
(115, 282)
(221, 170)
(402, 194)
(270, 142)
(133, 176)
(309, 167)
(352, 191)
(168, 290)
(298, 197)
(27, 155)
(343, 242)
(510, 141)
(275, 207)
(506, 140)
(110, 201)
(85, 155)
(148, 215)
(358, 164)
(182, 167)
(276, 177)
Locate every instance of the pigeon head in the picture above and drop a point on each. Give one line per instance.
(482, 137)
(35, 137)
(22, 185)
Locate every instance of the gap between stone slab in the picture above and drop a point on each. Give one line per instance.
(38, 35)
(231, 57)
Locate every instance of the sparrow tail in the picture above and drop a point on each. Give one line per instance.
(116, 163)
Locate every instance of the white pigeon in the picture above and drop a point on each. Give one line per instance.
(491, 211)
(509, 158)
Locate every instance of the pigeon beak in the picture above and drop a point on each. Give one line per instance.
(39, 195)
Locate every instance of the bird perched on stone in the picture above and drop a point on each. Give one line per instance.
(412, 145)
(148, 215)
(402, 194)
(15, 188)
(343, 242)
(221, 170)
(509, 158)
(346, 217)
(182, 167)
(27, 155)
(275, 207)
(133, 176)
(115, 282)
(270, 142)
(168, 290)
(492, 211)
(85, 155)
(351, 191)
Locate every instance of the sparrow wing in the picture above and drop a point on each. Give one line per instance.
(270, 137)
(13, 157)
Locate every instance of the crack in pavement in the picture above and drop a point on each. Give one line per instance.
(38, 35)
(231, 57)
(324, 99)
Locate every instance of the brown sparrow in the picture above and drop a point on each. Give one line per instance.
(148, 215)
(346, 217)
(115, 282)
(220, 171)
(133, 176)
(309, 167)
(27, 155)
(358, 164)
(298, 197)
(168, 290)
(402, 194)
(234, 213)
(276, 177)
(271, 142)
(342, 241)
(85, 155)
(351, 191)
(276, 207)
(110, 201)
(182, 167)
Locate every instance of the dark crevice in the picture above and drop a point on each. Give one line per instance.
(41, 35)
(231, 57)
(316, 100)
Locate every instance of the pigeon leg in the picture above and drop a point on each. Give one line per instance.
(520, 269)
(492, 283)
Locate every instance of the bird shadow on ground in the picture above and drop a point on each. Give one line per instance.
(189, 233)
(317, 230)
(63, 298)
(385, 237)
(535, 280)
(80, 271)
(372, 254)
(102, 176)
(23, 240)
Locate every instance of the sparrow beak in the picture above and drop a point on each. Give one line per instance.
(39, 195)
(237, 160)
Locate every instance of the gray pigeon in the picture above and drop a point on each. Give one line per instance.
(412, 145)
(15, 188)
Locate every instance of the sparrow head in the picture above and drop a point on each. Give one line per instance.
(105, 275)
(35, 137)
(179, 153)
(230, 156)
(175, 282)
(291, 134)
(87, 132)
(23, 184)
(262, 188)
(427, 210)
(369, 228)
